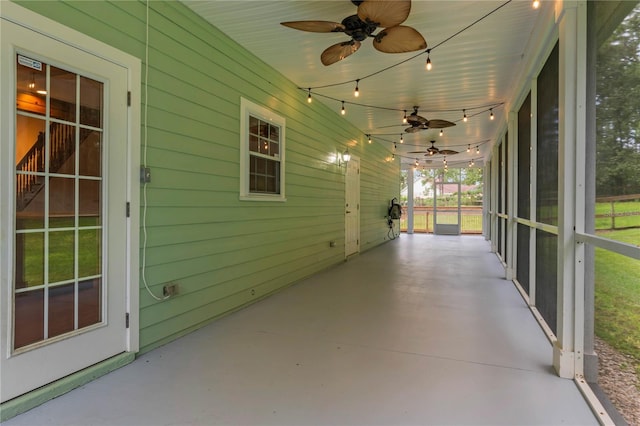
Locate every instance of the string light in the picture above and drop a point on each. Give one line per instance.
(536, 4)
(417, 162)
(393, 156)
(356, 93)
(469, 148)
(395, 146)
(477, 149)
(343, 111)
(369, 136)
(428, 51)
(309, 97)
(491, 116)
(401, 138)
(404, 119)
(464, 118)
(441, 132)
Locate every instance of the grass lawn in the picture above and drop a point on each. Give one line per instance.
(617, 297)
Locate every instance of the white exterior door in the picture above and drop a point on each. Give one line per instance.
(64, 155)
(352, 207)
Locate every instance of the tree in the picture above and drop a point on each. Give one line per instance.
(618, 110)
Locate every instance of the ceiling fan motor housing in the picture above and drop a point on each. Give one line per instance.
(357, 28)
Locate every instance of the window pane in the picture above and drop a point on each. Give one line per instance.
(61, 256)
(63, 94)
(253, 143)
(62, 147)
(89, 252)
(30, 144)
(90, 153)
(29, 270)
(90, 209)
(91, 102)
(89, 302)
(61, 309)
(61, 202)
(31, 86)
(29, 318)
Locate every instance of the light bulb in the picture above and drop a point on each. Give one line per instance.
(309, 97)
(401, 138)
(369, 136)
(342, 111)
(477, 150)
(468, 148)
(395, 146)
(393, 156)
(356, 92)
(441, 132)
(417, 162)
(404, 119)
(536, 4)
(429, 66)
(464, 118)
(491, 116)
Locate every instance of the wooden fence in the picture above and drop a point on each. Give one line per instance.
(471, 218)
(619, 212)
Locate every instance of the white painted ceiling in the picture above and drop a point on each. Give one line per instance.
(476, 57)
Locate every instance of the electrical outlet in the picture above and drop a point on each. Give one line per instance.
(145, 174)
(170, 289)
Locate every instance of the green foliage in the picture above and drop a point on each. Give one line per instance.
(618, 103)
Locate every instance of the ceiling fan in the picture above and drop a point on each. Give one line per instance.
(388, 14)
(432, 150)
(420, 123)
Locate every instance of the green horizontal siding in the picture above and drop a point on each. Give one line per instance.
(223, 252)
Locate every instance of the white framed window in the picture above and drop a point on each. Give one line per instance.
(262, 148)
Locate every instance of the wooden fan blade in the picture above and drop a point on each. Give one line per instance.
(385, 13)
(447, 152)
(414, 129)
(315, 26)
(339, 51)
(415, 118)
(399, 39)
(417, 152)
(439, 124)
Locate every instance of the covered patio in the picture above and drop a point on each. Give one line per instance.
(421, 330)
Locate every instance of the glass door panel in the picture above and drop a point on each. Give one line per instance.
(58, 238)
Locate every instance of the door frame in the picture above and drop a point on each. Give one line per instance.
(357, 213)
(11, 12)
(445, 229)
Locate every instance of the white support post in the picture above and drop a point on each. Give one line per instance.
(580, 188)
(410, 178)
(564, 351)
(512, 183)
(533, 188)
(494, 199)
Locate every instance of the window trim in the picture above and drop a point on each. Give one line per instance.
(248, 108)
